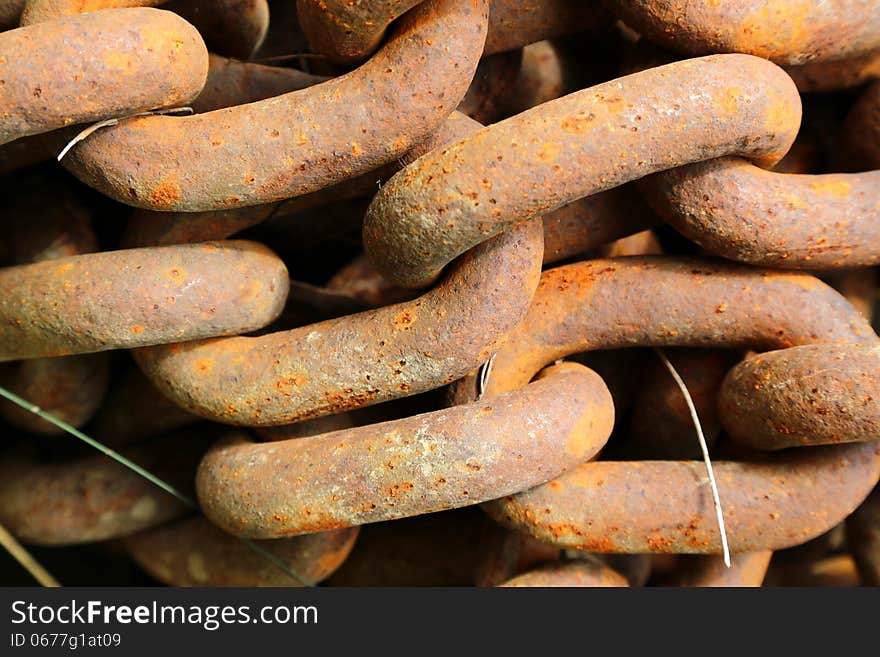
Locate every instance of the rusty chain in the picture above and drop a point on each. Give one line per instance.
(340, 293)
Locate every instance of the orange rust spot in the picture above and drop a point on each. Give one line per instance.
(578, 123)
(556, 486)
(176, 274)
(720, 308)
(355, 149)
(137, 328)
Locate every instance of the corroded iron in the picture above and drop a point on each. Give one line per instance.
(123, 299)
(232, 27)
(737, 210)
(95, 498)
(863, 535)
(811, 395)
(581, 144)
(783, 31)
(138, 59)
(193, 552)
(673, 302)
(348, 32)
(666, 506)
(747, 569)
(573, 574)
(858, 146)
(42, 227)
(362, 359)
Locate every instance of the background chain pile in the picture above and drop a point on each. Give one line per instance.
(376, 290)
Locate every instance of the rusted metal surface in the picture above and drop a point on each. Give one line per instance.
(41, 227)
(439, 549)
(584, 143)
(146, 228)
(504, 554)
(783, 31)
(233, 82)
(359, 279)
(235, 28)
(426, 463)
(858, 146)
(24, 152)
(135, 410)
(666, 506)
(70, 388)
(837, 74)
(863, 535)
(747, 569)
(573, 574)
(40, 11)
(123, 299)
(348, 32)
(10, 13)
(232, 27)
(94, 498)
(193, 552)
(737, 210)
(286, 146)
(660, 425)
(361, 359)
(491, 86)
(568, 231)
(594, 220)
(673, 302)
(110, 64)
(809, 395)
